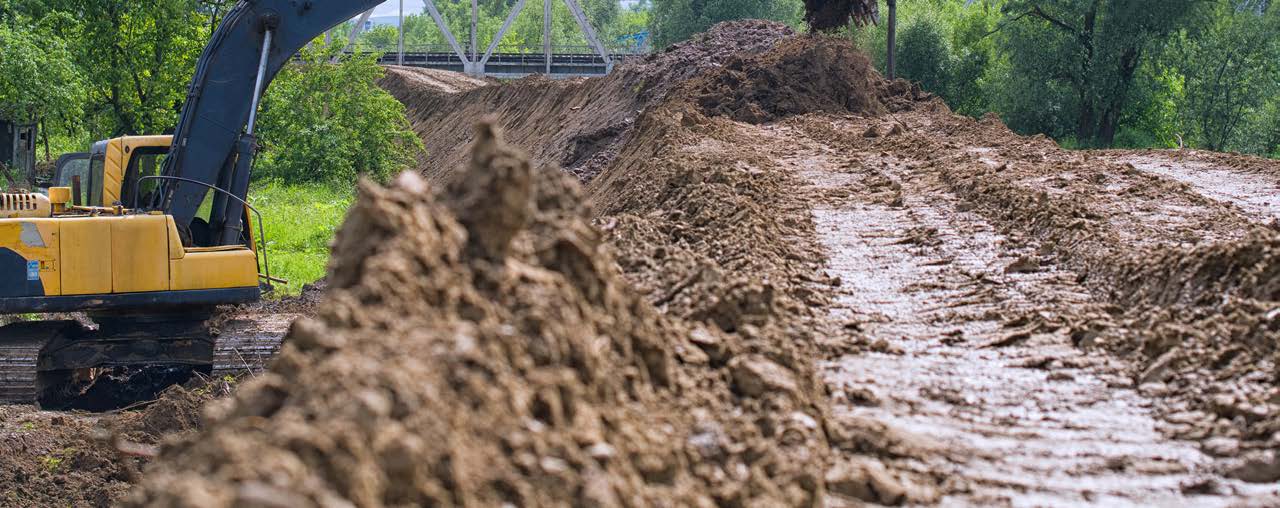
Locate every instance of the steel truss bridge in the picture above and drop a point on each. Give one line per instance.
(595, 59)
(507, 63)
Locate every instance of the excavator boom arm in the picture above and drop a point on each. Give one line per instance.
(210, 135)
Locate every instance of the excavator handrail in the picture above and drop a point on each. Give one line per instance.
(262, 232)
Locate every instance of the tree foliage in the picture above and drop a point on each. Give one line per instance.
(125, 70)
(1091, 50)
(138, 58)
(1101, 72)
(924, 55)
(525, 34)
(38, 82)
(324, 122)
(1237, 60)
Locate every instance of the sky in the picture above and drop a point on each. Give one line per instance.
(392, 8)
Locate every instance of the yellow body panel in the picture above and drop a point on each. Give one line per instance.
(140, 251)
(175, 241)
(215, 270)
(35, 240)
(86, 255)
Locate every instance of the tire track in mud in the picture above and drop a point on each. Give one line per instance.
(1257, 196)
(967, 346)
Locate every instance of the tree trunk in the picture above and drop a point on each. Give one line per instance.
(1107, 127)
(1085, 122)
(892, 66)
(44, 134)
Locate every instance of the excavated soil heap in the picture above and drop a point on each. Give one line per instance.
(479, 347)
(60, 459)
(801, 75)
(579, 124)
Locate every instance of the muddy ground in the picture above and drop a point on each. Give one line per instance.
(744, 272)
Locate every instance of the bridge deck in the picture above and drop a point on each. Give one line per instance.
(507, 65)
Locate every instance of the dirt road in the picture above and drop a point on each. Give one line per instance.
(962, 346)
(1256, 193)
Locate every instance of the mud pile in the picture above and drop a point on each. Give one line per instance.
(578, 124)
(61, 459)
(802, 75)
(478, 347)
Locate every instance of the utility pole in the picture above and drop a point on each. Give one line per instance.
(893, 39)
(475, 21)
(400, 25)
(546, 32)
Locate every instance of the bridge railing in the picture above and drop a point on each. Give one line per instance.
(502, 49)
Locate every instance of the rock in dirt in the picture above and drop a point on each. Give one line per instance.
(1258, 467)
(866, 480)
(755, 375)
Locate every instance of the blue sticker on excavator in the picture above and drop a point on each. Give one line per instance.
(33, 270)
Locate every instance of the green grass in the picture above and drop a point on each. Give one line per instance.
(300, 220)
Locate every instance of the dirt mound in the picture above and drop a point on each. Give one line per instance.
(664, 71)
(801, 75)
(63, 459)
(578, 124)
(418, 80)
(485, 351)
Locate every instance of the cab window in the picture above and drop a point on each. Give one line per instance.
(145, 161)
(70, 166)
(93, 188)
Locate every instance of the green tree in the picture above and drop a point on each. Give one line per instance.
(677, 20)
(525, 34)
(380, 38)
(1080, 58)
(37, 78)
(1225, 69)
(324, 122)
(138, 57)
(924, 56)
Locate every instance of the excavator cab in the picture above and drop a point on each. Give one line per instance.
(105, 184)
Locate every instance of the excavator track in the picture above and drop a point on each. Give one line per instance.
(241, 345)
(18, 373)
(246, 345)
(20, 346)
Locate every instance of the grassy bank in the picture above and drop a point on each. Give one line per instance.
(300, 220)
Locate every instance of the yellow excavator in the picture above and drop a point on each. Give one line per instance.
(147, 235)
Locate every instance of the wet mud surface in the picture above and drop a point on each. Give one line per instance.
(959, 346)
(1256, 194)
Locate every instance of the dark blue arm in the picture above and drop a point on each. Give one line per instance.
(208, 137)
